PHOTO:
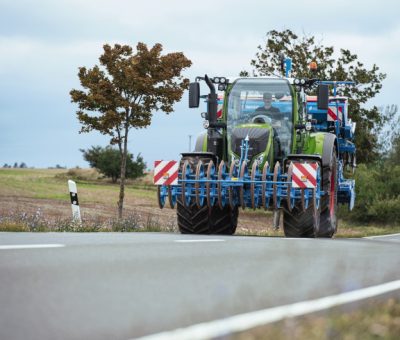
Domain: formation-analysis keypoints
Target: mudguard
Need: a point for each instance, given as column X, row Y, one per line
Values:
column 329, row 144
column 201, row 143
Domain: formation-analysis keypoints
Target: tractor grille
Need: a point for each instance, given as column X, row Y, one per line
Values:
column 258, row 138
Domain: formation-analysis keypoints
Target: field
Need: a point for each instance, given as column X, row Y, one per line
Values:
column 38, row 200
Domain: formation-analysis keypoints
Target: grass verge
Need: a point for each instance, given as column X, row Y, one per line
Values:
column 19, row 221
column 377, row 320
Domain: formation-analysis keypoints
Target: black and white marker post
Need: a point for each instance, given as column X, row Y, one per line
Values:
column 73, row 192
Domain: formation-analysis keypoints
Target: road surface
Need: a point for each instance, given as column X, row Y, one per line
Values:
column 128, row 285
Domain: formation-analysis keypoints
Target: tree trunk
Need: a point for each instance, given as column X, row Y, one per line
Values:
column 123, row 172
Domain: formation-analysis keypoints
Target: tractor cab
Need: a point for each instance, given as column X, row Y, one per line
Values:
column 262, row 109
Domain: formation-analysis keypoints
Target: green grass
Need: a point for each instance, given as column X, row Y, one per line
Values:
column 376, row 320
column 52, row 184
column 32, row 183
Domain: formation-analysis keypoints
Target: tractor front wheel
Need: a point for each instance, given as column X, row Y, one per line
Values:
column 202, row 220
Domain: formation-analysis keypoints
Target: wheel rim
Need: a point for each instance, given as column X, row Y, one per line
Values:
column 289, row 187
column 221, row 196
column 209, row 187
column 199, row 187
column 275, row 189
column 231, row 193
column 171, row 197
column 243, row 172
column 185, row 174
column 253, row 190
column 332, row 196
column 265, row 172
column 303, row 200
column 316, row 205
column 161, row 195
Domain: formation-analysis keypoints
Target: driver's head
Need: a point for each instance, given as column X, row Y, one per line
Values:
column 267, row 96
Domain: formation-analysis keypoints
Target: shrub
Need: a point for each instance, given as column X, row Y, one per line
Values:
column 377, row 194
column 108, row 162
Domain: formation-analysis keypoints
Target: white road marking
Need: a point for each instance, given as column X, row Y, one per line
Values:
column 380, row 236
column 30, row 246
column 243, row 322
column 200, row 240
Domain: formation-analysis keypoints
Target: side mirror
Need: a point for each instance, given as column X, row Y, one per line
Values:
column 194, row 95
column 323, row 97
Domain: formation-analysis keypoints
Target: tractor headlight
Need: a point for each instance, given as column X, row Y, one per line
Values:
column 222, row 80
column 221, row 87
column 302, row 81
column 206, row 124
column 260, row 159
column 297, row 81
column 216, row 80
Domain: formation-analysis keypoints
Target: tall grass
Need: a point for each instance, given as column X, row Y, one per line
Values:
column 134, row 221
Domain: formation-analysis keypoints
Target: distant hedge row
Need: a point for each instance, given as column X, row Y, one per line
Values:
column 378, row 195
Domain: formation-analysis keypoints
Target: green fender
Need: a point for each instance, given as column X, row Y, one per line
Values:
column 201, row 143
column 322, row 144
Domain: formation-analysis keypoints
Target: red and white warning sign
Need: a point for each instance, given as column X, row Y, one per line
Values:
column 304, row 175
column 165, row 172
column 333, row 113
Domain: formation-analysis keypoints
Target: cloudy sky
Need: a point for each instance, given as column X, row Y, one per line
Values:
column 43, row 42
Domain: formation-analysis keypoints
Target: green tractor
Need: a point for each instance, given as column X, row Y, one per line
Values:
column 268, row 145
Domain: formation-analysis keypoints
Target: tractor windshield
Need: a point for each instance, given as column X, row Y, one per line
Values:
column 262, row 101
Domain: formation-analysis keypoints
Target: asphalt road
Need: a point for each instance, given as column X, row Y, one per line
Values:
column 122, row 286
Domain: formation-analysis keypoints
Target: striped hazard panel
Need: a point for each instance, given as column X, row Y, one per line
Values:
column 165, row 172
column 304, row 175
column 333, row 113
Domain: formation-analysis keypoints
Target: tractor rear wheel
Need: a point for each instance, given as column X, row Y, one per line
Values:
column 298, row 223
column 194, row 220
column 201, row 220
column 329, row 204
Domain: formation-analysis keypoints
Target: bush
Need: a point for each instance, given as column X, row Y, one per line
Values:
column 377, row 194
column 108, row 162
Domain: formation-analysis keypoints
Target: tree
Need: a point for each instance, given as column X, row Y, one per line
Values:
column 305, row 49
column 388, row 133
column 108, row 161
column 124, row 90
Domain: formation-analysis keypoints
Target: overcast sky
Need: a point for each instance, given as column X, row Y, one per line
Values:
column 42, row 44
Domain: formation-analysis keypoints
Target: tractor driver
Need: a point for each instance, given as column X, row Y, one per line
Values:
column 267, row 108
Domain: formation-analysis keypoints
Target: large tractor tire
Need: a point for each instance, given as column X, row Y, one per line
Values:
column 298, row 223
column 329, row 204
column 194, row 220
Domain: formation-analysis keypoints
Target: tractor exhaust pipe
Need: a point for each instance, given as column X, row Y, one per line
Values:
column 215, row 142
column 212, row 102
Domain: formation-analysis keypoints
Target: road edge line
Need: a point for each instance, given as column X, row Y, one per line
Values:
column 381, row 236
column 246, row 321
column 30, row 246
column 199, row 240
